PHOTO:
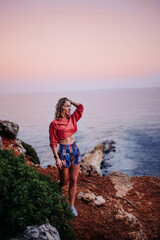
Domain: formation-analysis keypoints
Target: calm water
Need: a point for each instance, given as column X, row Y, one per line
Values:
column 130, row 117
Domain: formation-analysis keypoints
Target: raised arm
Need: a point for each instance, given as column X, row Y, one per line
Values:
column 74, row 103
column 79, row 110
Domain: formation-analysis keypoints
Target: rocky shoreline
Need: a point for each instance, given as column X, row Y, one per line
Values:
column 93, row 159
column 130, row 206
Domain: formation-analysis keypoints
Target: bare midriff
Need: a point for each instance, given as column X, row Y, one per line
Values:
column 68, row 140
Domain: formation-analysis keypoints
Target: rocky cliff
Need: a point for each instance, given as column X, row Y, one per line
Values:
column 129, row 207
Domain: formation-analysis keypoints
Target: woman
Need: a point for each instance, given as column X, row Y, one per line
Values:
column 61, row 131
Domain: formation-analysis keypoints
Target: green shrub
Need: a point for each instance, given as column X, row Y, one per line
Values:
column 28, row 198
column 31, row 152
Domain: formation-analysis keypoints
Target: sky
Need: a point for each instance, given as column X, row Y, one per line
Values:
column 54, row 45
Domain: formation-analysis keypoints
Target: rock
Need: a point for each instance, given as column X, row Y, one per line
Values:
column 43, row 232
column 8, row 129
column 99, row 200
column 106, row 147
column 88, row 168
column 93, row 158
column 88, row 197
column 91, row 197
column 13, row 144
column 121, row 183
column 127, row 217
column 135, row 229
column 18, row 144
column 80, row 195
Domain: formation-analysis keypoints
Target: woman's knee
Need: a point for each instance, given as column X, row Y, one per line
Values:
column 73, row 181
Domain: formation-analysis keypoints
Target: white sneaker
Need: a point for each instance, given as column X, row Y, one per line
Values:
column 74, row 211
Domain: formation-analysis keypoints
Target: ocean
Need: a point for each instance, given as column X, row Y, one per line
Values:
column 129, row 117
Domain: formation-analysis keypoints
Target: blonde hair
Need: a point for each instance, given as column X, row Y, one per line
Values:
column 59, row 107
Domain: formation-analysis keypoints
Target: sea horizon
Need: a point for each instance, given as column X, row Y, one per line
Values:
column 75, row 90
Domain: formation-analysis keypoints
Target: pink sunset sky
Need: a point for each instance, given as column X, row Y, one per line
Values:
column 51, row 45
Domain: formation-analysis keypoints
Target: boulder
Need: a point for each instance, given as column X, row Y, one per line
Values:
column 8, row 129
column 98, row 201
column 107, row 146
column 88, row 197
column 20, row 148
column 87, row 168
column 13, row 144
column 93, row 158
column 91, row 197
column 43, row 232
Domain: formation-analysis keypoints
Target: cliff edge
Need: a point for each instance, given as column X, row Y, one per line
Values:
column 129, row 206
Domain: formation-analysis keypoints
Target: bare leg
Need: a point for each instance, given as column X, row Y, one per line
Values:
column 64, row 175
column 74, row 171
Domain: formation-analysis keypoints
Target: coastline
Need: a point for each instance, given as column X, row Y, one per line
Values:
column 130, row 209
